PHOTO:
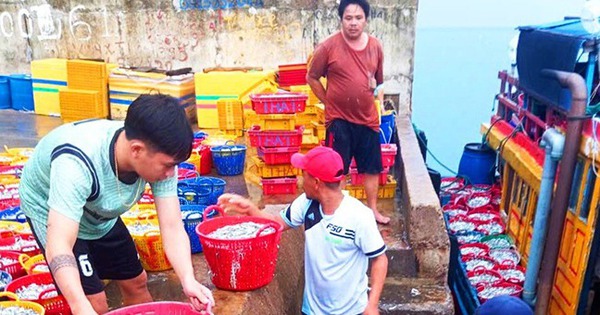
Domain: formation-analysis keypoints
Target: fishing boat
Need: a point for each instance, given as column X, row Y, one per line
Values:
column 545, row 131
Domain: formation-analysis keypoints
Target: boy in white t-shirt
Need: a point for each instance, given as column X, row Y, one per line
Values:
column 341, row 236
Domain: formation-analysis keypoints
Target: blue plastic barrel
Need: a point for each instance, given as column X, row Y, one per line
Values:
column 4, row 93
column 21, row 92
column 478, row 164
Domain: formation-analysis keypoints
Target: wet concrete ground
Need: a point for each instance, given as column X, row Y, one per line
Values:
column 18, row 129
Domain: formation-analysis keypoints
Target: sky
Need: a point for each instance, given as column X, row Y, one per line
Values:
column 493, row 13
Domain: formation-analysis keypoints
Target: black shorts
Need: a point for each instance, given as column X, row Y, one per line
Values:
column 112, row 256
column 358, row 141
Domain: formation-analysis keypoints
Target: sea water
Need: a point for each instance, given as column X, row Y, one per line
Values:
column 455, row 81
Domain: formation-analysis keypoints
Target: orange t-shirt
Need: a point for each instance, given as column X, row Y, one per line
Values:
column 348, row 94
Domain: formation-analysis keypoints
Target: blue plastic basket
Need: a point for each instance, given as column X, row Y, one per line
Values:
column 12, row 214
column 229, row 159
column 204, row 189
column 190, row 195
column 192, row 216
column 187, row 166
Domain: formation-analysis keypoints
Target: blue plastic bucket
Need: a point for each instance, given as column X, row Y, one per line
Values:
column 206, row 189
column 478, row 164
column 229, row 159
column 21, row 92
column 388, row 124
column 4, row 93
column 192, row 216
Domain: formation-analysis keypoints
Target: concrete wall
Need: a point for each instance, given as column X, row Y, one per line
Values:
column 423, row 214
column 194, row 33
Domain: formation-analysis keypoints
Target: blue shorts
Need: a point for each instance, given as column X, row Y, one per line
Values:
column 358, row 141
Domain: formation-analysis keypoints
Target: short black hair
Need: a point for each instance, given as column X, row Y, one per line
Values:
column 160, row 122
column 362, row 3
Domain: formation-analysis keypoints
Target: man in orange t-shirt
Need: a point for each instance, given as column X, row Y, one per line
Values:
column 352, row 61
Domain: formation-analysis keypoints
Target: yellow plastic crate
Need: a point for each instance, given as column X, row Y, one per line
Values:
column 234, row 132
column 231, row 114
column 208, row 116
column 89, row 75
column 80, row 104
column 310, row 110
column 277, row 122
column 306, row 119
column 250, row 118
column 319, row 130
column 54, row 69
column 86, row 69
column 312, row 98
column 47, row 102
column 271, row 171
column 320, row 109
column 383, row 192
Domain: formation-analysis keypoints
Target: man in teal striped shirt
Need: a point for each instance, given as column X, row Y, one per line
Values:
column 82, row 176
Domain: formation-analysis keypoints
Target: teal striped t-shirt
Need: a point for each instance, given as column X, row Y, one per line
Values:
column 71, row 172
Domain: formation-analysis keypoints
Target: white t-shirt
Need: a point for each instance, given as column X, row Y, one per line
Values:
column 336, row 253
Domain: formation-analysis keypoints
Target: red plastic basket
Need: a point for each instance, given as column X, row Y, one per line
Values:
column 279, row 186
column 54, row 306
column 505, row 270
column 388, row 154
column 451, row 184
column 279, row 103
column 472, row 275
column 239, row 264
column 15, row 269
column 275, row 138
column 153, row 308
column 273, row 156
column 474, row 250
column 359, row 179
column 9, row 244
column 517, row 289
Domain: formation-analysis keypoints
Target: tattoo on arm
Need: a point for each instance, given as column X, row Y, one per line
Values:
column 62, row 261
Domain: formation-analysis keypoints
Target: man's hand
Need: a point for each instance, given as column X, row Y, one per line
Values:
column 200, row 296
column 371, row 310
column 236, row 203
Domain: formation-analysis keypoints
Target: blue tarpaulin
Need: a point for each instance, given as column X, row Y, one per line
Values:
column 555, row 46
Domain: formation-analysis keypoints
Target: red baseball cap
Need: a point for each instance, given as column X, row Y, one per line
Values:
column 322, row 163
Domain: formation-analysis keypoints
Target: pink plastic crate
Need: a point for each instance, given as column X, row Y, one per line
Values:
column 358, row 179
column 388, row 155
column 272, row 156
column 279, row 103
column 273, row 138
column 279, row 186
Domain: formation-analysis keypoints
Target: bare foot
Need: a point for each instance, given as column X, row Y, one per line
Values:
column 381, row 219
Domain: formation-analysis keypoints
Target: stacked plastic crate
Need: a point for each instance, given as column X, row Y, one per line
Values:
column 126, row 85
column 387, row 184
column 293, row 74
column 314, row 125
column 230, row 85
column 276, row 138
column 86, row 95
column 48, row 77
column 231, row 116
